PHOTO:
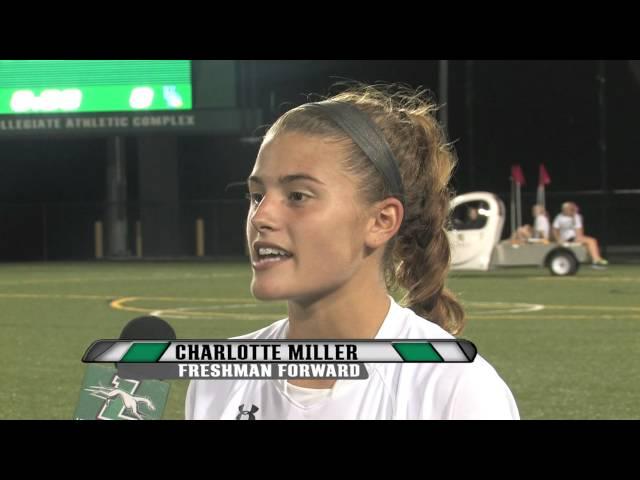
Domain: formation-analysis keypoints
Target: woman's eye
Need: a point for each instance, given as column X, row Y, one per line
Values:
column 254, row 198
column 297, row 196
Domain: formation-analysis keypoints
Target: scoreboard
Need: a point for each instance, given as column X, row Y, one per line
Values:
column 115, row 97
column 90, row 86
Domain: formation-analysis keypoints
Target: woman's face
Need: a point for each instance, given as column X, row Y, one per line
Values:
column 303, row 203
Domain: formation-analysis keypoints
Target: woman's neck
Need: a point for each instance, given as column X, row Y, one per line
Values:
column 356, row 310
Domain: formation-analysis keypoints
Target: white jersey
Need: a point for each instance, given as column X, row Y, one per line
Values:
column 567, row 225
column 541, row 225
column 392, row 390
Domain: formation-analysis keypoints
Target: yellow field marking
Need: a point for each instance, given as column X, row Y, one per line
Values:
column 555, row 317
column 519, row 311
column 44, row 296
column 188, row 299
column 504, row 307
column 180, row 312
column 587, row 279
column 208, row 276
column 479, row 312
column 593, row 307
column 118, row 304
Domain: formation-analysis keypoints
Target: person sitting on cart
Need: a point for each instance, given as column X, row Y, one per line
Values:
column 539, row 233
column 474, row 220
column 568, row 228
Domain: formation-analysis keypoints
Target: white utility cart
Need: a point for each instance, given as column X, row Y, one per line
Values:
column 477, row 245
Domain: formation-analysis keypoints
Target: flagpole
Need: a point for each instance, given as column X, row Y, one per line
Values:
column 540, row 200
column 518, row 205
column 543, row 180
column 513, row 207
column 601, row 78
column 517, row 180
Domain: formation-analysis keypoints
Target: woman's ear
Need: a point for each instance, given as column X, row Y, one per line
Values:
column 384, row 221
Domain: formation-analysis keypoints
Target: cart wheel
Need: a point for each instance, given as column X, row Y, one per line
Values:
column 563, row 263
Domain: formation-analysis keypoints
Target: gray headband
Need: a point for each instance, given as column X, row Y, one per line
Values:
column 364, row 132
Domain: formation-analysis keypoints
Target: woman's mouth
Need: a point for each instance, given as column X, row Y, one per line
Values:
column 268, row 257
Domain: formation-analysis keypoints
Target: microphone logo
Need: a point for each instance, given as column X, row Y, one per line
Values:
column 128, row 392
column 120, row 403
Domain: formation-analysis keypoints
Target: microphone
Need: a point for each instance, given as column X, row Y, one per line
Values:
column 127, row 392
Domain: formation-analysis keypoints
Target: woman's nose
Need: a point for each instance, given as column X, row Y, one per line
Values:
column 264, row 215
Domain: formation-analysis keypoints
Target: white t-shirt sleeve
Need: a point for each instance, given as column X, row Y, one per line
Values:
column 556, row 222
column 480, row 394
column 578, row 220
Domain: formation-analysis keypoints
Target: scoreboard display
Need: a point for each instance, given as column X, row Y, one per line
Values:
column 29, row 87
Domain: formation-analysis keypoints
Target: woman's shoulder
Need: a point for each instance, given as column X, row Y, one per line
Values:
column 402, row 322
column 455, row 390
column 416, row 326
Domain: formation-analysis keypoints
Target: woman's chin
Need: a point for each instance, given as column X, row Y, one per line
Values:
column 264, row 292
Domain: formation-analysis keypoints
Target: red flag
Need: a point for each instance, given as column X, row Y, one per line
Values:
column 544, row 178
column 517, row 175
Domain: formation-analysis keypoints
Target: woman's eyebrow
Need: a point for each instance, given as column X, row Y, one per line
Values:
column 286, row 179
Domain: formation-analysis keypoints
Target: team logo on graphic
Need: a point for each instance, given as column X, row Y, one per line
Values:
column 120, row 403
column 247, row 414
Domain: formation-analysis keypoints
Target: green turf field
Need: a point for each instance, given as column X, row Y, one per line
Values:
column 569, row 348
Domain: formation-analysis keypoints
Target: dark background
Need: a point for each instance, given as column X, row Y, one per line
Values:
column 580, row 118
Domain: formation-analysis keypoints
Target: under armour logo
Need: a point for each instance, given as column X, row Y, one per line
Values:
column 247, row 414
